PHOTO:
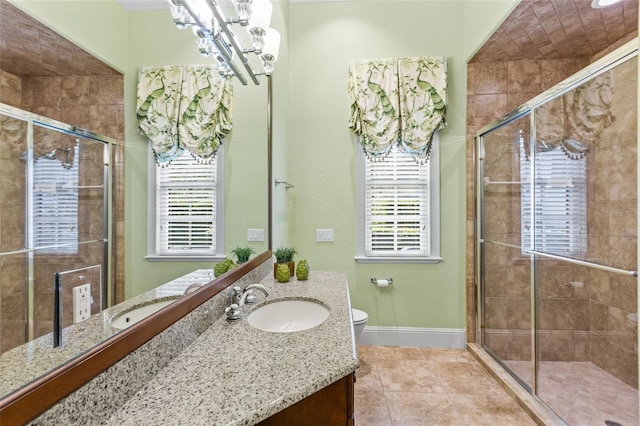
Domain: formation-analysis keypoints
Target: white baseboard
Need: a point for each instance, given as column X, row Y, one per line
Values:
column 447, row 338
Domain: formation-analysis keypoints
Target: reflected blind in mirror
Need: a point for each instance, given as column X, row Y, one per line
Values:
column 185, row 206
column 55, row 205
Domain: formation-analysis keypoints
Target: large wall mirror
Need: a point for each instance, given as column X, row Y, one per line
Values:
column 44, row 73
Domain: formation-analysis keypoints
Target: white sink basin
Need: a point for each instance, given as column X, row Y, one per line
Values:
column 126, row 319
column 285, row 316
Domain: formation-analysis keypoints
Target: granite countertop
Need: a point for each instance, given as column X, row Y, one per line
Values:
column 234, row 374
column 25, row 363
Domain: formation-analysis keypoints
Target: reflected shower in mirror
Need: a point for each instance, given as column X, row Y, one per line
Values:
column 55, row 222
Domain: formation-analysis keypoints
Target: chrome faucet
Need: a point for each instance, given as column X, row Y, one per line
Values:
column 249, row 297
column 239, row 298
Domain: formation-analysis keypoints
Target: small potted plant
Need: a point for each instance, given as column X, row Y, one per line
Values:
column 242, row 253
column 285, row 255
column 224, row 266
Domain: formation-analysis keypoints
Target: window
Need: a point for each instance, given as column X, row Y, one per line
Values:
column 560, row 205
column 55, row 205
column 185, row 209
column 398, row 209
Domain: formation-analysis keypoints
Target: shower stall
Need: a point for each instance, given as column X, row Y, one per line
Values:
column 556, row 230
column 54, row 224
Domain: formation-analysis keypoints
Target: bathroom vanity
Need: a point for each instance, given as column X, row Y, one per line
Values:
column 206, row 370
column 235, row 373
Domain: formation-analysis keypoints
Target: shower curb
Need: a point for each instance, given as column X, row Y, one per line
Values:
column 536, row 410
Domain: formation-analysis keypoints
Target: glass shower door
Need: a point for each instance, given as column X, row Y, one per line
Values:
column 585, row 213
column 507, row 331
column 557, row 244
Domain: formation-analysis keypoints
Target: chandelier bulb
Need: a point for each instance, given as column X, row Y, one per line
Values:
column 243, row 8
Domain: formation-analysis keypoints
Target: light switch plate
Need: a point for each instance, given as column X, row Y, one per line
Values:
column 255, row 234
column 324, row 235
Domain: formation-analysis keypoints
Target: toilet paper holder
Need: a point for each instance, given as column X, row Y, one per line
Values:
column 374, row 280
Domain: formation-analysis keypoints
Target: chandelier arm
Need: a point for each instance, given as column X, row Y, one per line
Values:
column 231, row 36
column 220, row 45
column 223, row 49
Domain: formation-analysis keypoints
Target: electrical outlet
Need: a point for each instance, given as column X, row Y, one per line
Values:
column 255, row 234
column 324, row 235
column 81, row 302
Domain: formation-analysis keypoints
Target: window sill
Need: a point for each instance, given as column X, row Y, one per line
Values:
column 179, row 258
column 398, row 259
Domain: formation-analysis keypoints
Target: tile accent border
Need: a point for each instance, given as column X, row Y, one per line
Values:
column 448, row 338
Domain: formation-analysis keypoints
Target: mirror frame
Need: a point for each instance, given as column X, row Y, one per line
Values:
column 35, row 398
column 38, row 396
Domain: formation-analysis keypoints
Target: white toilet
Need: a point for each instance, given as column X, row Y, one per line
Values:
column 359, row 320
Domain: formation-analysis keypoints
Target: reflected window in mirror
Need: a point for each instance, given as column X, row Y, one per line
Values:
column 185, row 208
column 55, row 203
column 560, row 204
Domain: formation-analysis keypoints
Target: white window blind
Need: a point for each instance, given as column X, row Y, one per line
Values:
column 560, row 204
column 55, row 206
column 186, row 207
column 397, row 206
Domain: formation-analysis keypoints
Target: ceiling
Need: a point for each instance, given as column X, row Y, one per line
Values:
column 548, row 29
column 30, row 49
column 554, row 29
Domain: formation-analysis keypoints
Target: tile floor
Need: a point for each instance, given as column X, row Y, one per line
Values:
column 416, row 386
column 582, row 393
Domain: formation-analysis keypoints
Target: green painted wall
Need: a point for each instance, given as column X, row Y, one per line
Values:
column 155, row 41
column 128, row 40
column 313, row 148
column 324, row 38
column 322, row 151
column 280, row 144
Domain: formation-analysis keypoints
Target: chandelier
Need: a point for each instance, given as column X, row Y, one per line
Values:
column 215, row 36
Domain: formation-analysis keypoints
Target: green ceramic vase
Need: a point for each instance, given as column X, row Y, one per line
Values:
column 302, row 270
column 283, row 274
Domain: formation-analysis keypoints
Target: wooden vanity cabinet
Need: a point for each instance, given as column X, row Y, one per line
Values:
column 330, row 406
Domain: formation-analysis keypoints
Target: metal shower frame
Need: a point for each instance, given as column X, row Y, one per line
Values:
column 606, row 63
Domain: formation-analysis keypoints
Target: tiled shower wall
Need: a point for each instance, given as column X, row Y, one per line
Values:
column 588, row 321
column 95, row 103
column 612, row 224
column 494, row 89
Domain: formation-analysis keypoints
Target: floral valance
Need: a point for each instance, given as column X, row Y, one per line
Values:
column 397, row 102
column 184, row 107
